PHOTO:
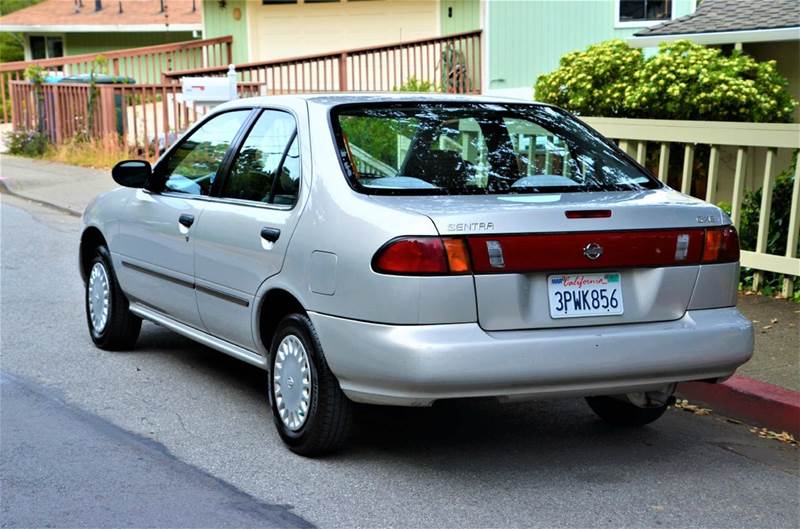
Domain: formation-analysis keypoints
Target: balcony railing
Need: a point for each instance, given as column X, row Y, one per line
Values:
column 450, row 64
column 741, row 156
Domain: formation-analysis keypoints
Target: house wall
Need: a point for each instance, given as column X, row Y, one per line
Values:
column 459, row 16
column 787, row 56
column 527, row 39
column 78, row 43
column 290, row 30
column 222, row 21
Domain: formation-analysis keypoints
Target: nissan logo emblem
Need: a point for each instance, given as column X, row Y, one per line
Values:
column 593, row 251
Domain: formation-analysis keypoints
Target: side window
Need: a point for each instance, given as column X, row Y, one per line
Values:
column 267, row 168
column 192, row 167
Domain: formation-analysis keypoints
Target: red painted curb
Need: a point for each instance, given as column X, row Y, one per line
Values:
column 750, row 400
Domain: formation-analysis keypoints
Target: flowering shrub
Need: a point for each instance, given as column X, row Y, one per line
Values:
column 592, row 82
column 416, row 85
column 26, row 143
column 682, row 81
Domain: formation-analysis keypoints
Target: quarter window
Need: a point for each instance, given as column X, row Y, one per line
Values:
column 193, row 166
column 267, row 168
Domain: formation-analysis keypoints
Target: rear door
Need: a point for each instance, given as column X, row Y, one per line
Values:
column 242, row 237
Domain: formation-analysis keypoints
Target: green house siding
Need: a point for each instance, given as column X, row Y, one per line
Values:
column 458, row 16
column 219, row 22
column 79, row 43
column 527, row 38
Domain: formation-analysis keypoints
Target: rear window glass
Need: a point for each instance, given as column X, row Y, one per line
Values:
column 459, row 149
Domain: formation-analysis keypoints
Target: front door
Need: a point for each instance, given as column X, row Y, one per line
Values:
column 242, row 236
column 155, row 260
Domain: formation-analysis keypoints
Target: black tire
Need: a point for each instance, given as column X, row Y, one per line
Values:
column 330, row 413
column 621, row 413
column 122, row 326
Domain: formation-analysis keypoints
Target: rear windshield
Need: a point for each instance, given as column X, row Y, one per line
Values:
column 460, row 149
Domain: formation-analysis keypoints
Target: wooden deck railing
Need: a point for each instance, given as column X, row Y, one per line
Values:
column 145, row 64
column 740, row 156
column 452, row 64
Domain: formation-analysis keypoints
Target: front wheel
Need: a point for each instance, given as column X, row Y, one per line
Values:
column 111, row 323
column 312, row 414
column 621, row 413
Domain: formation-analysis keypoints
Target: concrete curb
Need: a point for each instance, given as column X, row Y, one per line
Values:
column 750, row 400
column 5, row 188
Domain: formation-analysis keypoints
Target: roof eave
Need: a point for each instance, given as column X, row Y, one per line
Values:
column 719, row 37
column 98, row 28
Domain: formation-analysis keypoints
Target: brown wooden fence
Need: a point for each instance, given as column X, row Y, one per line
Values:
column 149, row 116
column 451, row 64
column 145, row 65
column 145, row 117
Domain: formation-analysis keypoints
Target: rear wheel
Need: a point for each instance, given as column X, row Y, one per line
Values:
column 311, row 413
column 620, row 413
column 111, row 323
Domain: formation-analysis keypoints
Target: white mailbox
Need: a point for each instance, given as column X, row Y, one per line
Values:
column 209, row 90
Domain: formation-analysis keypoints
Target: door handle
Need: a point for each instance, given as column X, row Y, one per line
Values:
column 270, row 234
column 186, row 220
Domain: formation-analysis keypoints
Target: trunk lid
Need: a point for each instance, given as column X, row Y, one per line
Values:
column 535, row 245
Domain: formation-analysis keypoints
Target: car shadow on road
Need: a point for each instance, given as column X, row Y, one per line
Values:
column 475, row 434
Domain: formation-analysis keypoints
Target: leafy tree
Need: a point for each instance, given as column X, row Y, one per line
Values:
column 682, row 81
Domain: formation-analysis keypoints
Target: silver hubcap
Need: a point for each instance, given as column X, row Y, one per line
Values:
column 291, row 384
column 98, row 292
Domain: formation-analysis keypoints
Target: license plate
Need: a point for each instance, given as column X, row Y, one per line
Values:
column 578, row 295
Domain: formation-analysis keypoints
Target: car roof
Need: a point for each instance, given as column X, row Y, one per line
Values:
column 342, row 98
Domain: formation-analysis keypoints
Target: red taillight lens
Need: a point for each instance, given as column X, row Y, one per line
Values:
column 585, row 250
column 422, row 256
column 721, row 245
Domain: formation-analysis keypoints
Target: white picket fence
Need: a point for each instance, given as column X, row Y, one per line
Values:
column 741, row 156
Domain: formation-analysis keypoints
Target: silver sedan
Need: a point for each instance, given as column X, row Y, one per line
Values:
column 403, row 249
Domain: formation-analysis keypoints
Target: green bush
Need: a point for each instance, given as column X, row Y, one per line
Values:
column 415, row 85
column 26, row 143
column 592, row 82
column 682, row 81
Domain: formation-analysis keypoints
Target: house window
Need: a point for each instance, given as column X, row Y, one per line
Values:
column 46, row 47
column 643, row 12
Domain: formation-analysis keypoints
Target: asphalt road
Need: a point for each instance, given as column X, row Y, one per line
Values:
column 173, row 433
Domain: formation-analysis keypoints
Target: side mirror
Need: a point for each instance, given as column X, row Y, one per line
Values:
column 132, row 173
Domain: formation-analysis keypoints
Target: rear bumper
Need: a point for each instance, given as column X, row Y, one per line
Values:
column 414, row 365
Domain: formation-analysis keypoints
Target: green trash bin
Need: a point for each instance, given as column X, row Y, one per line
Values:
column 86, row 78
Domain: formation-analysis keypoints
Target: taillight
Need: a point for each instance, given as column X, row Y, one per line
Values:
column 422, row 256
column 721, row 245
column 545, row 252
